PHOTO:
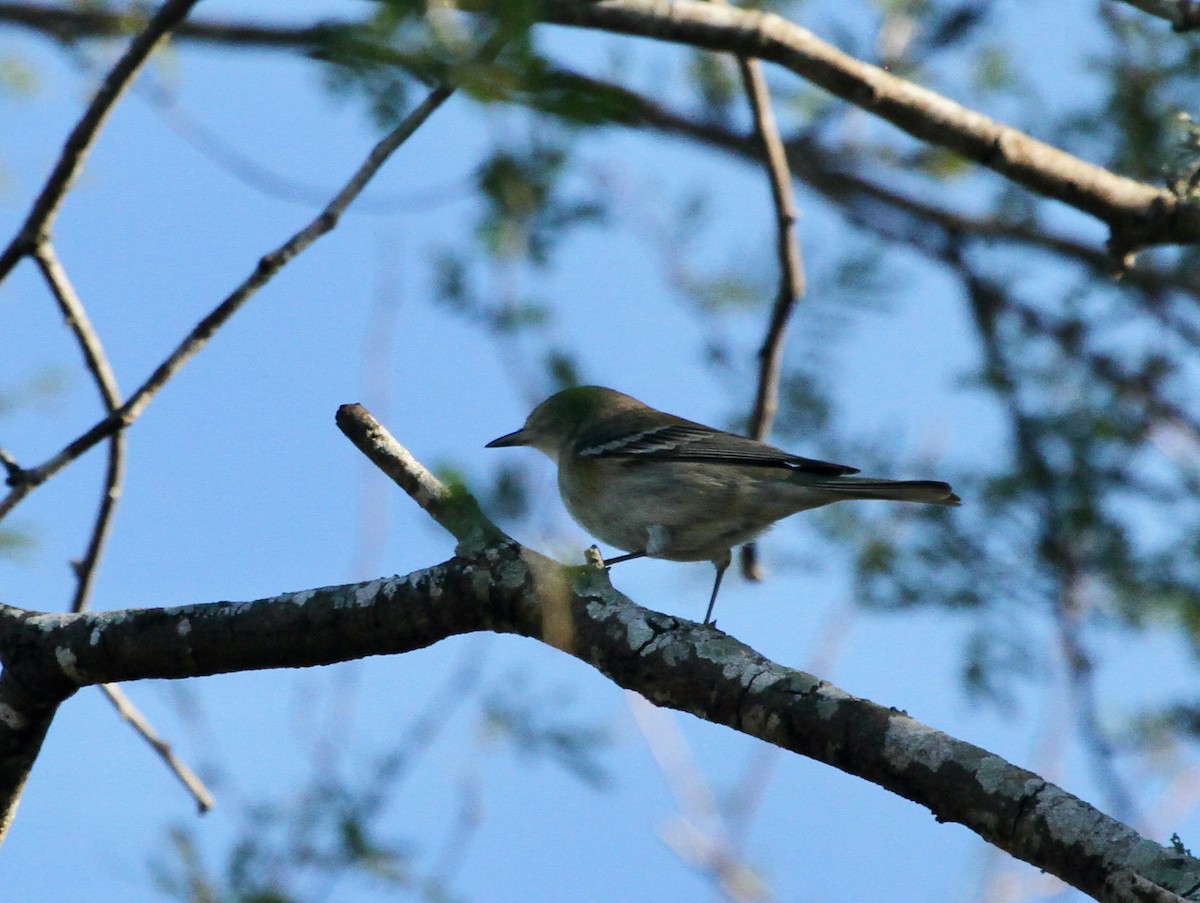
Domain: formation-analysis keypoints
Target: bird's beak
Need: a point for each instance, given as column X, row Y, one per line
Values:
column 517, row 438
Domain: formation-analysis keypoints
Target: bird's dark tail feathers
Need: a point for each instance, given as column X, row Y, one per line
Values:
column 930, row 492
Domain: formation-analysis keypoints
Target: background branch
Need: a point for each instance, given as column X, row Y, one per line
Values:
column 787, row 248
column 1136, row 214
column 1184, row 15
column 810, row 162
column 98, row 366
column 41, row 216
column 267, row 267
column 131, row 714
column 68, row 24
column 817, row 166
column 791, row 268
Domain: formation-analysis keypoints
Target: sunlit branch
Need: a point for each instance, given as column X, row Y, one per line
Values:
column 96, row 361
column 131, row 714
column 1136, row 214
column 817, row 166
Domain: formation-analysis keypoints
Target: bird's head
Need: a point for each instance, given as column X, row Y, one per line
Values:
column 558, row 420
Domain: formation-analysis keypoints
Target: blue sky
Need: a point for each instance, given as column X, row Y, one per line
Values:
column 241, row 487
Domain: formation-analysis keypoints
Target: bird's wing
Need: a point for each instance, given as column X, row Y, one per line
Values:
column 686, row 441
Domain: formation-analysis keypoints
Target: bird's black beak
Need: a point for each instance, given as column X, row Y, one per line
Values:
column 517, row 438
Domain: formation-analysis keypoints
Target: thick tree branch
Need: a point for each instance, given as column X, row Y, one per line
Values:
column 1136, row 214
column 671, row 661
column 500, row 586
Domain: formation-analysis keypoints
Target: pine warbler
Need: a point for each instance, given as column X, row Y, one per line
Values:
column 656, row 485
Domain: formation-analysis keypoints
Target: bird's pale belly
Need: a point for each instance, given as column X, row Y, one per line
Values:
column 642, row 509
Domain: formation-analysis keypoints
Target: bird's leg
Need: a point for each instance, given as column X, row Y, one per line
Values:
column 629, row 557
column 720, row 564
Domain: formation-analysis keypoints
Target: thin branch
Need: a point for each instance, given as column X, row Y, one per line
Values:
column 791, row 268
column 267, row 267
column 68, row 24
column 1137, row 214
column 129, row 712
column 79, row 323
column 97, row 364
column 40, row 219
column 1184, row 15
column 824, row 170
column 12, row 469
column 787, row 246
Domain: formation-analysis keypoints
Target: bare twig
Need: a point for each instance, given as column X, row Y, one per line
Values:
column 791, row 268
column 456, row 511
column 129, row 712
column 37, row 224
column 110, row 395
column 1137, row 214
column 824, row 170
column 1184, row 15
column 97, row 364
column 78, row 322
column 787, row 244
column 267, row 267
column 12, row 469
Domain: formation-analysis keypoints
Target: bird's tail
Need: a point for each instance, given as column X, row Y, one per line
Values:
column 931, row 492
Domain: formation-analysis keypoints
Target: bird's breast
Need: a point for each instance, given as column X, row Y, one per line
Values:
column 682, row 511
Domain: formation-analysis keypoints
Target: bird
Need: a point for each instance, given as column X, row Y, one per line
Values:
column 656, row 485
